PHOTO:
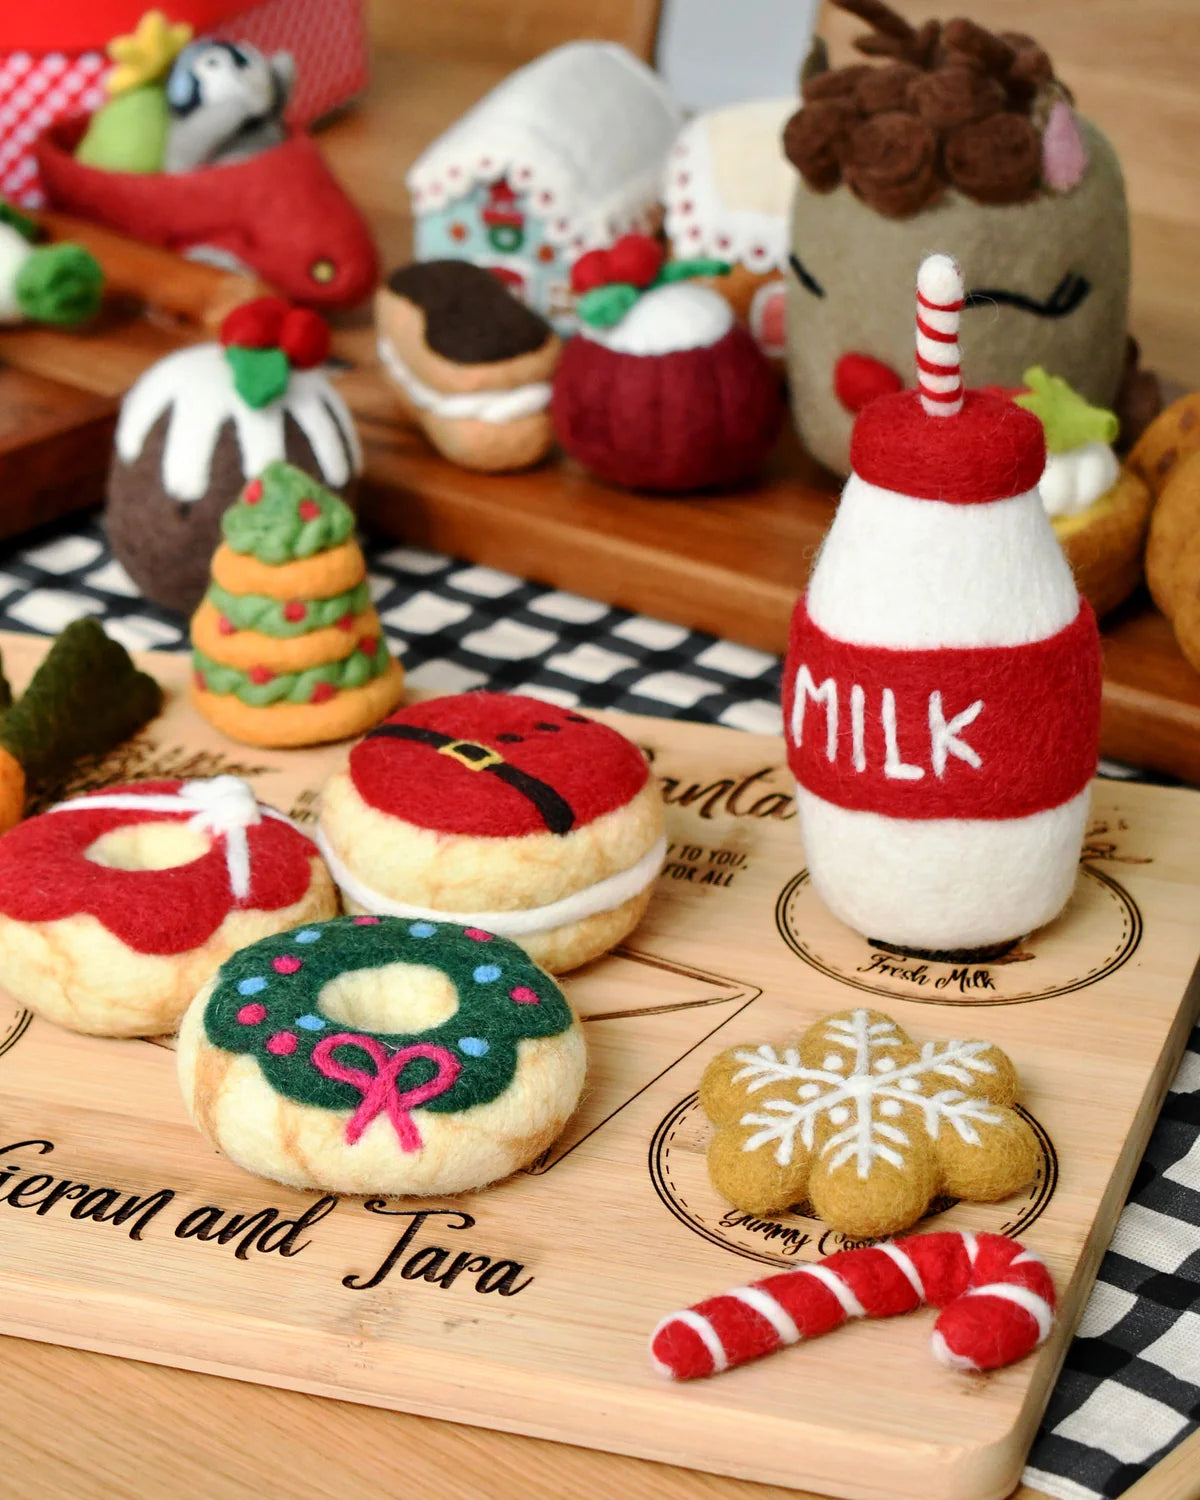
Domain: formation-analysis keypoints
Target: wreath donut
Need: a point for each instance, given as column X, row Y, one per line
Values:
column 276, row 1073
column 139, row 892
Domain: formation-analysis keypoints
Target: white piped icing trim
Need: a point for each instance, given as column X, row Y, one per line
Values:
column 1076, row 479
column 680, row 315
column 494, row 407
column 728, row 188
column 196, row 386
column 581, row 133
column 604, row 895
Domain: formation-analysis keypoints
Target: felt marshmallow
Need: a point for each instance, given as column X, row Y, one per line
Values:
column 942, row 687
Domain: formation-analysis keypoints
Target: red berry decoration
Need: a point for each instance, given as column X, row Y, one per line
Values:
column 322, row 692
column 295, row 610
column 635, row 258
column 225, row 625
column 253, row 492
column 304, row 338
column 201, row 684
column 347, row 621
column 260, row 674
column 308, row 510
column 368, row 645
column 256, row 324
column 590, row 271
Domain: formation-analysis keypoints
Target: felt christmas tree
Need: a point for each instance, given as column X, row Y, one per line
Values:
column 288, row 646
column 128, row 133
column 942, row 689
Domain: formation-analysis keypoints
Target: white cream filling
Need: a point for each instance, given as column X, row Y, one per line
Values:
column 495, row 407
column 604, row 895
column 1076, row 479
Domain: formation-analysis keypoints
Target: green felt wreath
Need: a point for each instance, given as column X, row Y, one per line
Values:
column 265, row 1003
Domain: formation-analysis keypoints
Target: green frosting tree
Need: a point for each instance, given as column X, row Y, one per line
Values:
column 1068, row 420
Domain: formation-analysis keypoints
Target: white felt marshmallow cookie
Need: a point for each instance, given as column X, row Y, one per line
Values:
column 501, row 812
column 942, row 688
column 116, row 907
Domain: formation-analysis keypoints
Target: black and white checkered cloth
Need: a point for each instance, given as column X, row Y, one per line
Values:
column 1130, row 1389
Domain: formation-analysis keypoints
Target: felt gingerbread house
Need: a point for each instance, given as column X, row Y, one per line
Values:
column 564, row 156
column 727, row 195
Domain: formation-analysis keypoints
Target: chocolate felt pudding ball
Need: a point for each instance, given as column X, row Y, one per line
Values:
column 202, row 422
column 962, row 139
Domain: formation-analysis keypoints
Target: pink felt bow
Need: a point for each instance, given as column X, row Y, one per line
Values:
column 380, row 1090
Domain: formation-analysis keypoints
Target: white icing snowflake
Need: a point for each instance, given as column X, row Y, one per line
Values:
column 869, row 1090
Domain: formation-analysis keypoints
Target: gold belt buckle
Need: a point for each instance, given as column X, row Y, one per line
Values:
column 468, row 753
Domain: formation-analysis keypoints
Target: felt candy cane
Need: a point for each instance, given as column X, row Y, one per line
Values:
column 996, row 1298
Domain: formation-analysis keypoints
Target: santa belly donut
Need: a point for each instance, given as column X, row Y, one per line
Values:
column 378, row 1055
column 116, row 907
column 501, row 812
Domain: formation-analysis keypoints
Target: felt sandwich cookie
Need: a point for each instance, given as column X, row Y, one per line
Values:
column 942, row 687
column 117, row 906
column 201, row 423
column 377, row 1055
column 503, row 813
column 287, row 646
column 469, row 362
column 865, row 1123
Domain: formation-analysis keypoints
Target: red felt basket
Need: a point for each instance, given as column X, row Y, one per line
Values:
column 52, row 61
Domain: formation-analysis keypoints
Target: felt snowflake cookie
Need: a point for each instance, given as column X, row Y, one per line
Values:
column 865, row 1123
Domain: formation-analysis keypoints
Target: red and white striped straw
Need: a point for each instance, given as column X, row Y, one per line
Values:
column 939, row 364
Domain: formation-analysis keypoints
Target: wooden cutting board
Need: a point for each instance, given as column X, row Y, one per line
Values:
column 618, row 1224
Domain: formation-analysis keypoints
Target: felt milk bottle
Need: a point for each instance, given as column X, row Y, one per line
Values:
column 942, row 686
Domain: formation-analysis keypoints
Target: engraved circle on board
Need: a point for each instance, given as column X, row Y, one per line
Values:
column 1103, row 919
column 679, row 1172
column 14, row 1023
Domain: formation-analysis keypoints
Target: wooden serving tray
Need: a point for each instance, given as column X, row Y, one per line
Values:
column 618, row 1224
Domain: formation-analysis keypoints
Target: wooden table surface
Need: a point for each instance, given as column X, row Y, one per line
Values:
column 84, row 1425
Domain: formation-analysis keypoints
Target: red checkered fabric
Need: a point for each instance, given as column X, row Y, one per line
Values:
column 326, row 37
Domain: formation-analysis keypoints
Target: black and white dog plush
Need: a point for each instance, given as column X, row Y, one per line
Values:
column 226, row 102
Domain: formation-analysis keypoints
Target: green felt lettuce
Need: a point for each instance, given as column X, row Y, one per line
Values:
column 1068, row 420
column 60, row 284
column 86, row 697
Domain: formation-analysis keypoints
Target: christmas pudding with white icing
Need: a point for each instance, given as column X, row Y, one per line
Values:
column 375, row 1055
column 942, row 686
column 662, row 389
column 503, row 813
column 141, row 892
column 202, row 422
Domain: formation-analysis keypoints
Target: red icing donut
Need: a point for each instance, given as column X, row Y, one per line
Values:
column 45, row 876
column 495, row 764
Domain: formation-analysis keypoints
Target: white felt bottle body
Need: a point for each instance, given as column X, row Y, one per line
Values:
column 920, row 574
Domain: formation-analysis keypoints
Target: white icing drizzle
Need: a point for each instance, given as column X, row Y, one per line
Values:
column 195, row 386
column 604, row 895
column 494, row 407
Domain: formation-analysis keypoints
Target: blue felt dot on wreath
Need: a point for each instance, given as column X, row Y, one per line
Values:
column 252, row 986
column 311, row 1022
column 307, row 935
column 473, row 1046
column 485, row 973
column 422, row 929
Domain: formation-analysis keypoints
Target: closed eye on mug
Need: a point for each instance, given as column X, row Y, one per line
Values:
column 1064, row 299
column 805, row 277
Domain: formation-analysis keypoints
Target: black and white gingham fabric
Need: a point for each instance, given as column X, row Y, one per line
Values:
column 1130, row 1389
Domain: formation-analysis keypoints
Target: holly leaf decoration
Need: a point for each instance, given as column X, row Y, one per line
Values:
column 1069, row 421
column 605, row 306
column 260, row 376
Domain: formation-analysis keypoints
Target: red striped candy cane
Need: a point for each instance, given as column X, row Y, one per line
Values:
column 939, row 365
column 997, row 1302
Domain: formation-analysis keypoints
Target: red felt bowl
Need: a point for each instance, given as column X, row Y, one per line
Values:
column 282, row 213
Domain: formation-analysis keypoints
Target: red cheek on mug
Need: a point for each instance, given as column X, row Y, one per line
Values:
column 860, row 378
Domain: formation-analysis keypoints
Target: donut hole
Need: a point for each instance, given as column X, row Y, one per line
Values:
column 148, row 846
column 394, row 997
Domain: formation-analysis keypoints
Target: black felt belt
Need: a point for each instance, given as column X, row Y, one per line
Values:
column 555, row 811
